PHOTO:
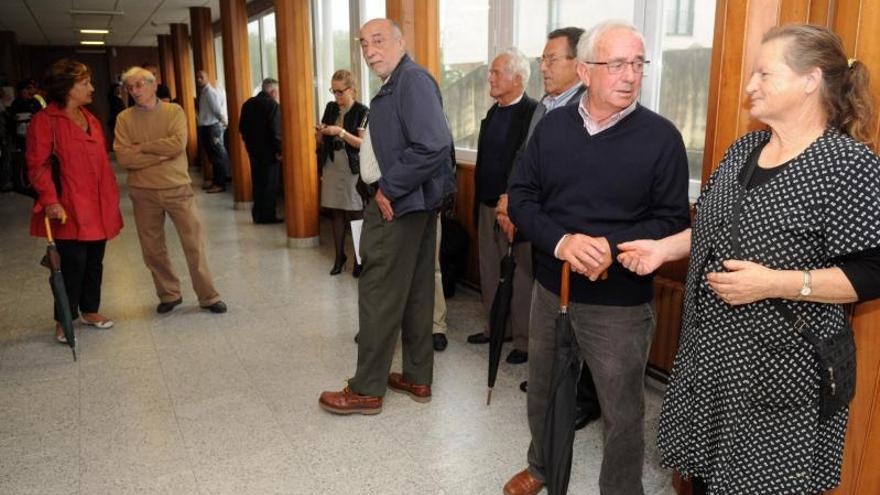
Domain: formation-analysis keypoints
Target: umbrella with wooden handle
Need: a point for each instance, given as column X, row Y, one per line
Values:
column 52, row 261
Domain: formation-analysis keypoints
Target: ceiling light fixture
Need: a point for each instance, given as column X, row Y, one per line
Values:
column 95, row 12
column 94, row 31
column 86, row 42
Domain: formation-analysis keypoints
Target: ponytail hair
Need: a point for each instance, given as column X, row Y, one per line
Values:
column 845, row 90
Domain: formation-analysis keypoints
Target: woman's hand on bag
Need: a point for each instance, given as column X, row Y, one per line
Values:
column 745, row 282
column 56, row 212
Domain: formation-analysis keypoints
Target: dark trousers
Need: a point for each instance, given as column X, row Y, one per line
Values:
column 395, row 295
column 82, row 267
column 265, row 179
column 614, row 341
column 211, row 140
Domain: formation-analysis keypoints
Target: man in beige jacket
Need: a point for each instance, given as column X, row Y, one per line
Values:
column 150, row 143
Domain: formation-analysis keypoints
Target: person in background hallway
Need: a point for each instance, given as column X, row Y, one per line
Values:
column 741, row 412
column 151, row 144
column 502, row 133
column 212, row 123
column 406, row 160
column 339, row 137
column 593, row 175
column 85, row 212
column 260, row 128
column 162, row 91
column 562, row 87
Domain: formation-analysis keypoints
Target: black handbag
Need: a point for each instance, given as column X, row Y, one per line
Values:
column 21, row 182
column 836, row 355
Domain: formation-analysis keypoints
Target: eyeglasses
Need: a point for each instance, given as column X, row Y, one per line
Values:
column 618, row 66
column 137, row 85
column 550, row 60
column 339, row 92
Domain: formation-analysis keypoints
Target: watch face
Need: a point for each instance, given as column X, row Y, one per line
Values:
column 806, row 291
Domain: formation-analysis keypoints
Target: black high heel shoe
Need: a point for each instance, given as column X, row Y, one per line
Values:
column 338, row 265
column 356, row 271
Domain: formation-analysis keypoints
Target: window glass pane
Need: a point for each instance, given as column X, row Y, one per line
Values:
column 464, row 54
column 270, row 51
column 684, row 82
column 218, row 60
column 332, row 45
column 254, row 53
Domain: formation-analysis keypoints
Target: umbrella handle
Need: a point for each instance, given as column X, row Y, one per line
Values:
column 48, row 229
column 564, row 287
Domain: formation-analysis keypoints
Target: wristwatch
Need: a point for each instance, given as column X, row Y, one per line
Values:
column 342, row 134
column 807, row 287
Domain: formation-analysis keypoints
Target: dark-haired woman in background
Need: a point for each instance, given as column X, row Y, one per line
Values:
column 339, row 138
column 86, row 212
column 742, row 410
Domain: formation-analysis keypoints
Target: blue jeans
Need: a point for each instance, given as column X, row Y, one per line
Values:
column 211, row 140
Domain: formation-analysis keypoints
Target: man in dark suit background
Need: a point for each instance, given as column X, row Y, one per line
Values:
column 502, row 133
column 260, row 128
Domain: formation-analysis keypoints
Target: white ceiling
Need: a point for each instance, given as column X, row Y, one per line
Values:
column 49, row 22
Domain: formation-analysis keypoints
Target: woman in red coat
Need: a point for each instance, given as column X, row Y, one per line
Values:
column 86, row 212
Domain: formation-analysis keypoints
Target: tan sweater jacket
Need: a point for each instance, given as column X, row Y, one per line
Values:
column 161, row 134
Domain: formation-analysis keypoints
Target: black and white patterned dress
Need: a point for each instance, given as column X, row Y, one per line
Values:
column 741, row 408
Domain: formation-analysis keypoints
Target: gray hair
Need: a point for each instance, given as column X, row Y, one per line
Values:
column 516, row 63
column 138, row 72
column 269, row 83
column 586, row 48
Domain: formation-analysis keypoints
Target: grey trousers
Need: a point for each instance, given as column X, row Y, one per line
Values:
column 493, row 247
column 395, row 295
column 614, row 341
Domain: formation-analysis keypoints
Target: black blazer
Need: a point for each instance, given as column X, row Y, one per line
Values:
column 260, row 127
column 516, row 135
column 356, row 117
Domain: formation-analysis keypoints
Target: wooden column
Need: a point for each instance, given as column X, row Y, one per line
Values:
column 203, row 59
column 856, row 22
column 166, row 63
column 186, row 85
column 297, row 93
column 9, row 56
column 237, row 68
column 420, row 22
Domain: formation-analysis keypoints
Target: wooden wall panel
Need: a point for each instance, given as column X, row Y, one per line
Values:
column 464, row 213
column 120, row 58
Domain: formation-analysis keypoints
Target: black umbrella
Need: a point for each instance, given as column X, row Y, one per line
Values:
column 52, row 261
column 559, row 422
column 498, row 316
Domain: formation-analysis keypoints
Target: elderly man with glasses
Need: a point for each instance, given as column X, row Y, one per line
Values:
column 592, row 176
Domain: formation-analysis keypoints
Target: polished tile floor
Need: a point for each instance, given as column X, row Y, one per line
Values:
column 196, row 403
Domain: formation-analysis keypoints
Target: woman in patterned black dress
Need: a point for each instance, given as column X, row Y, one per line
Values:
column 741, row 412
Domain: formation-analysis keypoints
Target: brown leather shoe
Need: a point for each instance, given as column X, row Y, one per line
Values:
column 215, row 189
column 418, row 393
column 349, row 402
column 523, row 483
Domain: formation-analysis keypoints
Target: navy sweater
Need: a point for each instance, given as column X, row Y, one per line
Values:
column 625, row 183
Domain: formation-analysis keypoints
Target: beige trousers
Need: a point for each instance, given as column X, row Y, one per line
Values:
column 439, row 299
column 150, row 208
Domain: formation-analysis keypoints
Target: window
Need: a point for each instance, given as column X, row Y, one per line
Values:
column 332, row 33
column 262, row 50
column 218, row 60
column 679, row 17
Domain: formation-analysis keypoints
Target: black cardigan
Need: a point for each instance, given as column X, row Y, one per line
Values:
column 356, row 117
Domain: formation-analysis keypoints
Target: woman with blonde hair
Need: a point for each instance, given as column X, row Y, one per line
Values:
column 339, row 138
column 787, row 231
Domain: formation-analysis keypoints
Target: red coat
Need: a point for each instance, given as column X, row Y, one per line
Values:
column 89, row 193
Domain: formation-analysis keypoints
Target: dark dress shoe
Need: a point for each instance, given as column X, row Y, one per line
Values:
column 523, row 483
column 584, row 416
column 270, row 221
column 338, row 265
column 207, row 185
column 165, row 307
column 517, row 356
column 478, row 338
column 218, row 307
column 418, row 393
column 356, row 271
column 524, row 386
column 440, row 342
column 349, row 402
column 215, row 189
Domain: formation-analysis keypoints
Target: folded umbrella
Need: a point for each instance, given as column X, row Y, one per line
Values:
column 559, row 421
column 52, row 261
column 499, row 315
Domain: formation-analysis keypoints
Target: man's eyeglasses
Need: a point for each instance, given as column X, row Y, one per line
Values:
column 618, row 66
column 550, row 60
column 338, row 92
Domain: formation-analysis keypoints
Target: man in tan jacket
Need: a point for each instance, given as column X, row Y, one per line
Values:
column 150, row 143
